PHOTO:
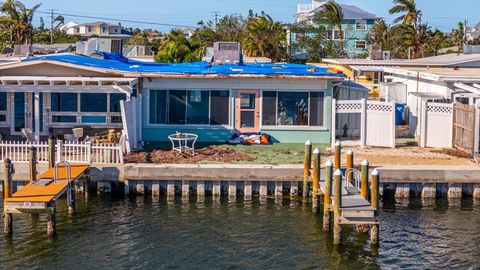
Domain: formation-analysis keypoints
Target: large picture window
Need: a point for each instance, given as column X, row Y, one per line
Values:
column 64, row 102
column 93, row 102
column 3, row 106
column 283, row 108
column 189, row 107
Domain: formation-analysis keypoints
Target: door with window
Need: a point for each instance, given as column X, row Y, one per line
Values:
column 248, row 111
column 24, row 112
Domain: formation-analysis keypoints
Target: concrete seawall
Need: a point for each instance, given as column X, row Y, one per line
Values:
column 403, row 181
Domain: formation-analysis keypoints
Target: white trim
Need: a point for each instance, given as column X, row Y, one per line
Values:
column 360, row 40
column 364, row 22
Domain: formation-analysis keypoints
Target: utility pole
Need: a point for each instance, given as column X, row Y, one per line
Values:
column 215, row 15
column 51, row 25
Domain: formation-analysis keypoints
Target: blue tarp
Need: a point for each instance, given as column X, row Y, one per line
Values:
column 117, row 62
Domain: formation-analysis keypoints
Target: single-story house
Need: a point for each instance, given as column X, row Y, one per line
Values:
column 291, row 102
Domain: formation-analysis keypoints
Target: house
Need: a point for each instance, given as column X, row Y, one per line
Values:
column 291, row 102
column 356, row 25
column 98, row 29
column 371, row 72
column 472, row 33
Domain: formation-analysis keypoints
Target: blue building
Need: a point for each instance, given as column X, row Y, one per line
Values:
column 356, row 25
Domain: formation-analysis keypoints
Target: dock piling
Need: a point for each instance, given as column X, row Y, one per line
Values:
column 185, row 189
column 32, row 157
column 51, row 151
column 316, row 180
column 338, row 155
column 248, row 191
column 327, row 199
column 7, row 193
column 349, row 165
column 306, row 167
column 374, row 229
column 51, row 223
column 337, row 204
column 364, row 179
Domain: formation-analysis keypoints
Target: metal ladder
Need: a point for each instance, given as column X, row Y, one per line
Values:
column 356, row 177
column 68, row 179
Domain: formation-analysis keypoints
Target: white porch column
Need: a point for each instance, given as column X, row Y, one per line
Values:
column 334, row 121
column 363, row 123
column 37, row 116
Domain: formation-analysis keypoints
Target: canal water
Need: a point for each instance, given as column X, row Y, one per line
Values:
column 141, row 233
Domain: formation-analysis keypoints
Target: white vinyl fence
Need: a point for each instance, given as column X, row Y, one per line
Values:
column 73, row 152
column 436, row 125
column 376, row 121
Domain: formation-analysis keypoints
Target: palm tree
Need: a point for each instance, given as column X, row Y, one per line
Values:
column 331, row 13
column 175, row 48
column 264, row 37
column 410, row 14
column 18, row 19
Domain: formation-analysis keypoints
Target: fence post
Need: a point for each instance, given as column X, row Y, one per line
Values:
column 89, row 152
column 363, row 123
column 306, row 167
column 393, row 125
column 51, row 151
column 33, row 164
column 476, row 128
column 120, row 153
column 59, row 150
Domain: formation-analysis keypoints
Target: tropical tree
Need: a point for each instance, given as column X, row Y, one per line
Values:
column 458, row 36
column 331, row 14
column 176, row 48
column 409, row 14
column 264, row 37
column 18, row 20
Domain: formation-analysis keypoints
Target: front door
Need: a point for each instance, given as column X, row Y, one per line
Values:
column 24, row 112
column 248, row 111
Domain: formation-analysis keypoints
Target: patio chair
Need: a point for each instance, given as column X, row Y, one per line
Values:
column 28, row 134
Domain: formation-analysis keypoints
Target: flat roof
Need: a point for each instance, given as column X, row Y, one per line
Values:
column 117, row 62
column 438, row 73
column 439, row 60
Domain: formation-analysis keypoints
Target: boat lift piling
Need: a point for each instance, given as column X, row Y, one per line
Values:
column 306, row 168
column 327, row 193
column 316, row 180
column 7, row 193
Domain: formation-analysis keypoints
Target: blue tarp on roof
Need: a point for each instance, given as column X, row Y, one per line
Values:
column 118, row 62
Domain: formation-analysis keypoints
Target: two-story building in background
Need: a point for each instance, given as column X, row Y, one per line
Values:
column 356, row 25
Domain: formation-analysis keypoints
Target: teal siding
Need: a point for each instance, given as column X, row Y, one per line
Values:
column 160, row 134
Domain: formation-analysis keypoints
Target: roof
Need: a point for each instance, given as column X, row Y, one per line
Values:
column 98, row 23
column 452, row 59
column 118, row 63
column 438, row 73
column 354, row 12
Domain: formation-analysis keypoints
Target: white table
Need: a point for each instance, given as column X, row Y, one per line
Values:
column 181, row 141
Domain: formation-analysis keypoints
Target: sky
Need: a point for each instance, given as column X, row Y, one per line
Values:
column 441, row 14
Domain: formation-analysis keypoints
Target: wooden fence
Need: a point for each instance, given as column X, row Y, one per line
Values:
column 73, row 152
column 464, row 127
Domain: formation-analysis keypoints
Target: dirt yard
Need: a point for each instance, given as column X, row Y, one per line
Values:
column 408, row 155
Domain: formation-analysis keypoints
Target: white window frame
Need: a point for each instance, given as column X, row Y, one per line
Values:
column 360, row 40
column 293, row 127
column 361, row 22
column 78, row 114
column 186, row 126
column 335, row 37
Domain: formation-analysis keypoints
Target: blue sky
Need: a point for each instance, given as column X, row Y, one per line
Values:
column 442, row 14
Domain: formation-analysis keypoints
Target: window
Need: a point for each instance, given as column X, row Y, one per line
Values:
column 360, row 44
column 333, row 35
column 189, row 107
column 3, row 106
column 93, row 102
column 104, row 29
column 89, row 29
column 283, row 108
column 64, row 102
column 115, row 102
column 361, row 25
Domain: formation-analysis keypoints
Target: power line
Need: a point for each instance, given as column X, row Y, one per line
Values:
column 116, row 19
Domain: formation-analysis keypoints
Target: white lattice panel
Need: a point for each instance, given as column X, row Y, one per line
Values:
column 380, row 107
column 348, row 107
column 440, row 108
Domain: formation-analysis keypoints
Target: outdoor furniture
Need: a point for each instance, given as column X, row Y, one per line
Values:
column 28, row 134
column 77, row 133
column 181, row 141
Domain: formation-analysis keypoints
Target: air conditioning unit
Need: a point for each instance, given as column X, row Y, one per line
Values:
column 226, row 52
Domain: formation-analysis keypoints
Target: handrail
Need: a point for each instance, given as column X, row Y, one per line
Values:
column 356, row 177
column 67, row 177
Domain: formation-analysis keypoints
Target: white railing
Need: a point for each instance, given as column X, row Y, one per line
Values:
column 73, row 152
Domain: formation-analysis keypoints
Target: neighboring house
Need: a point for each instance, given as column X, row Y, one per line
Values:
column 356, row 25
column 98, row 29
column 371, row 72
column 472, row 32
column 291, row 102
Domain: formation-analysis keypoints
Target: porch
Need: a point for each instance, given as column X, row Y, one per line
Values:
column 59, row 104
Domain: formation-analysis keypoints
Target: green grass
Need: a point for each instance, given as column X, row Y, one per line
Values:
column 278, row 153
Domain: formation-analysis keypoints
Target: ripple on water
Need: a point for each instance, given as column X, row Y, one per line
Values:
column 142, row 233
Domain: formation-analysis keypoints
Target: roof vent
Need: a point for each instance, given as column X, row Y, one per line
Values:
column 226, row 52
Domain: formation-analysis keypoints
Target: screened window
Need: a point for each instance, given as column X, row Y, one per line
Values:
column 360, row 25
column 360, row 44
column 3, row 106
column 189, row 107
column 282, row 108
column 64, row 102
column 93, row 102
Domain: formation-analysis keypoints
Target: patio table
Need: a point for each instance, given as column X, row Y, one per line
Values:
column 181, row 141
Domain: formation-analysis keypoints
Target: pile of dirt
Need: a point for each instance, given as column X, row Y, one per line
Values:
column 209, row 154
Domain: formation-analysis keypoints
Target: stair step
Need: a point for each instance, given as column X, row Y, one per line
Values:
column 359, row 220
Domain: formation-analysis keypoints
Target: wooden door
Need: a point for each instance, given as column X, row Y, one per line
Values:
column 464, row 127
column 247, row 110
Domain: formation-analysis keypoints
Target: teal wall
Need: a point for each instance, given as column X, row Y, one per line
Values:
column 221, row 134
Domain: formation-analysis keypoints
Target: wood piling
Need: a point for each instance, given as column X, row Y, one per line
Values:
column 374, row 229
column 32, row 157
column 349, row 165
column 316, row 180
column 52, row 222
column 364, row 179
column 306, row 167
column 337, row 204
column 51, row 151
column 338, row 155
column 327, row 199
column 7, row 193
